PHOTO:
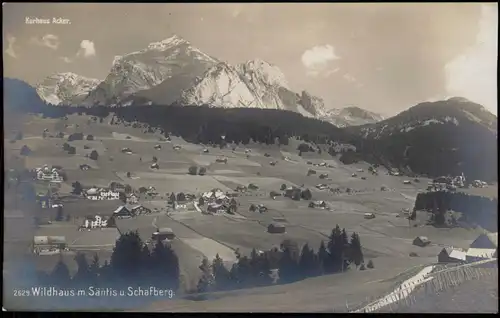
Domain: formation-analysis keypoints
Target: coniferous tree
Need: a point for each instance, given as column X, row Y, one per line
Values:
column 323, row 257
column 94, row 270
column 289, row 262
column 173, row 198
column 356, row 250
column 127, row 259
column 335, row 250
column 307, row 262
column 346, row 249
column 82, row 276
column 59, row 214
column 222, row 276
column 206, row 281
column 60, row 275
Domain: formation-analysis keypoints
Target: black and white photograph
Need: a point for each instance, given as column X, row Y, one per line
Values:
column 250, row 157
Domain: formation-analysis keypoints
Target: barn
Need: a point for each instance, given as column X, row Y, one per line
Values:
column 487, row 240
column 276, row 228
column 163, row 233
column 122, row 211
column 421, row 241
column 450, row 255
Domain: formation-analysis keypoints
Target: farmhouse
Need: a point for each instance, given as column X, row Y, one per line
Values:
column 318, row 204
column 122, row 212
column 322, row 186
column 486, row 241
column 47, row 174
column 421, row 241
column 214, row 194
column 47, row 244
column 128, row 151
column 450, row 255
column 216, row 208
column 132, row 199
column 479, row 254
column 101, row 194
column 276, row 228
column 369, row 216
column 162, row 234
column 85, row 167
column 95, row 222
column 139, row 209
column 241, row 188
column 291, row 192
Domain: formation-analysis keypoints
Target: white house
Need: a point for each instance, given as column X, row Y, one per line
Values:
column 47, row 174
column 132, row 199
column 97, row 222
column 102, row 194
column 109, row 195
column 478, row 254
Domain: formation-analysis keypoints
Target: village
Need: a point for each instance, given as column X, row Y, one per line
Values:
column 207, row 200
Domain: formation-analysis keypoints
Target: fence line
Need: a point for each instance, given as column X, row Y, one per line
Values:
column 431, row 283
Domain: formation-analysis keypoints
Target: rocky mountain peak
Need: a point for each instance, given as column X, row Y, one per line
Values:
column 65, row 88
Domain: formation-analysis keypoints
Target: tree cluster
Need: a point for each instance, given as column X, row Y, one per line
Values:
column 474, row 209
column 434, row 151
column 289, row 262
column 132, row 263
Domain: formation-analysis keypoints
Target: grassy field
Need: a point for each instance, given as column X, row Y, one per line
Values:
column 387, row 239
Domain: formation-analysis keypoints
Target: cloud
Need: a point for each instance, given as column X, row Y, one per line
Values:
column 10, row 47
column 473, row 74
column 348, row 77
column 67, row 59
column 87, row 49
column 330, row 72
column 48, row 40
column 316, row 59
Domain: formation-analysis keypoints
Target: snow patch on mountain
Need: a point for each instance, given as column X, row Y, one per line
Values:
column 349, row 116
column 65, row 88
column 221, row 86
column 255, row 84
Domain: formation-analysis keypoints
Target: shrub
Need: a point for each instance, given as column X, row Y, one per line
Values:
column 181, row 197
column 25, row 151
column 362, row 267
column 283, row 187
column 75, row 136
column 72, row 150
column 193, row 170
column 370, row 264
column 94, row 155
column 202, row 171
column 306, row 194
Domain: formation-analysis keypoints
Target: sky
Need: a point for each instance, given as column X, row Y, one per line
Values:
column 378, row 56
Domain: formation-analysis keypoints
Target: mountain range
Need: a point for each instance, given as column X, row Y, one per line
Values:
column 172, row 85
column 173, row 71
